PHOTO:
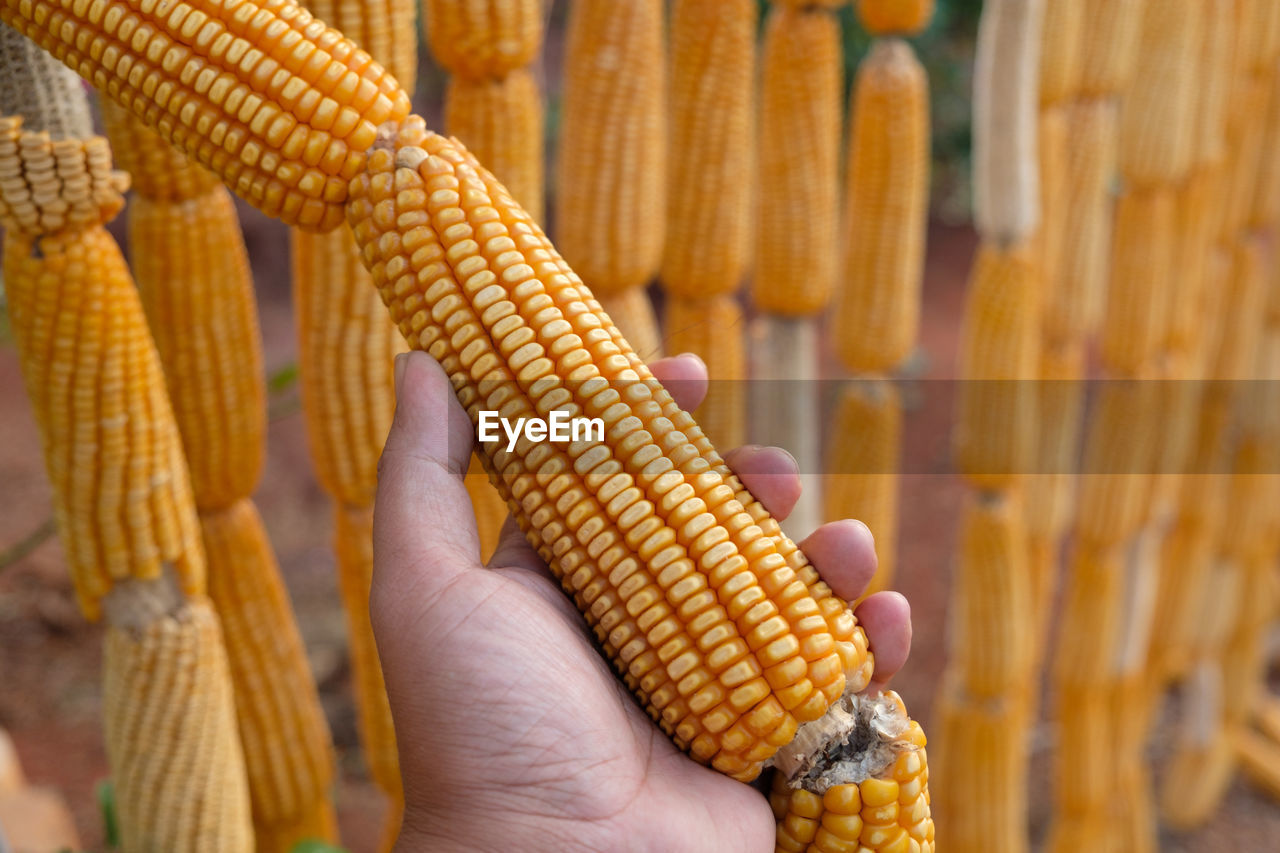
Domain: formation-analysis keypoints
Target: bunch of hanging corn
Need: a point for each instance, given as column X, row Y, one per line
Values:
column 346, row 349
column 611, row 175
column 877, row 310
column 123, row 502
column 984, row 704
column 493, row 103
column 797, row 229
column 192, row 273
column 709, row 199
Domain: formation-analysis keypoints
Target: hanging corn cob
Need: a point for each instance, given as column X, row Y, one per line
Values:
column 985, row 700
column 193, row 276
column 797, row 229
column 439, row 233
column 709, row 199
column 122, row 498
column 877, row 309
column 346, row 349
column 611, row 176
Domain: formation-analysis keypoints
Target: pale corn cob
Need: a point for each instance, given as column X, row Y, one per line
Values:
column 632, row 312
column 1144, row 250
column 1075, row 296
column 245, row 95
column 797, row 225
column 895, row 17
column 502, row 121
column 1062, row 50
column 878, row 304
column 862, row 464
column 1158, row 120
column 611, row 179
column 886, row 811
column 995, row 422
column 1006, row 189
column 712, row 329
column 712, row 122
column 170, row 726
column 1111, row 52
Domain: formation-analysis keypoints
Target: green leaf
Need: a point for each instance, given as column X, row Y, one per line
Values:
column 106, row 794
column 308, row 845
column 283, row 379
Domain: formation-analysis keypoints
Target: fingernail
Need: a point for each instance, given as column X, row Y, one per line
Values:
column 401, row 360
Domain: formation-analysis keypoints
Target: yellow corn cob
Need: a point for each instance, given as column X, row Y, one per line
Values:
column 171, row 731
column 1266, row 201
column 862, row 465
column 1060, row 401
column 1120, row 450
column 1062, row 50
column 1110, row 52
column 713, row 120
column 886, row 811
column 480, row 39
column 385, row 30
column 489, row 508
column 1213, row 88
column 279, row 106
column 748, row 687
column 895, row 17
column 1258, row 755
column 611, row 180
column 797, row 225
column 1158, row 120
column 995, row 427
column 1006, row 189
column 981, row 755
column 1144, row 251
column 1246, row 304
column 878, row 304
column 1075, row 295
column 989, row 651
column 632, row 312
column 1198, row 200
column 283, row 730
column 501, row 120
column 157, row 170
column 93, row 375
column 1245, row 139
column 712, row 329
column 1054, row 140
column 1090, row 624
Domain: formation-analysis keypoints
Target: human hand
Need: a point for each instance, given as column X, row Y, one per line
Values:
column 513, row 731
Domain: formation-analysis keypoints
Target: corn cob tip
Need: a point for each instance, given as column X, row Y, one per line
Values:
column 859, row 738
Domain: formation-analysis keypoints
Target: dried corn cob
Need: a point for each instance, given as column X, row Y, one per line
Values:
column 713, row 119
column 502, row 121
column 1144, row 252
column 995, row 425
column 797, row 228
column 895, row 17
column 883, row 807
column 1062, row 47
column 611, row 183
column 1006, row 189
column 862, row 465
column 1110, row 53
column 479, row 39
column 878, row 303
column 280, row 107
column 713, row 330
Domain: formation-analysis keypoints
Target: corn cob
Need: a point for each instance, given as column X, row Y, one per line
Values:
column 1265, row 211
column 279, row 106
column 878, row 304
column 1062, row 48
column 1146, row 228
column 479, row 39
column 1053, row 136
column 1213, row 90
column 895, row 17
column 502, row 121
column 862, row 464
column 995, row 423
column 797, row 226
column 1006, row 189
column 1246, row 135
column 713, row 329
column 888, row 810
column 207, row 334
column 1158, row 121
column 611, row 179
column 713, row 118
column 170, row 725
column 1110, row 53
column 632, row 311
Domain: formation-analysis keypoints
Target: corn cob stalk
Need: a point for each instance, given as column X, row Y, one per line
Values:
column 862, row 467
column 878, row 305
column 493, row 103
column 206, row 331
column 895, row 17
column 886, row 810
column 611, row 179
column 712, row 328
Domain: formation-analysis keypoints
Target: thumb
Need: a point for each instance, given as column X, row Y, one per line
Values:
column 424, row 529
